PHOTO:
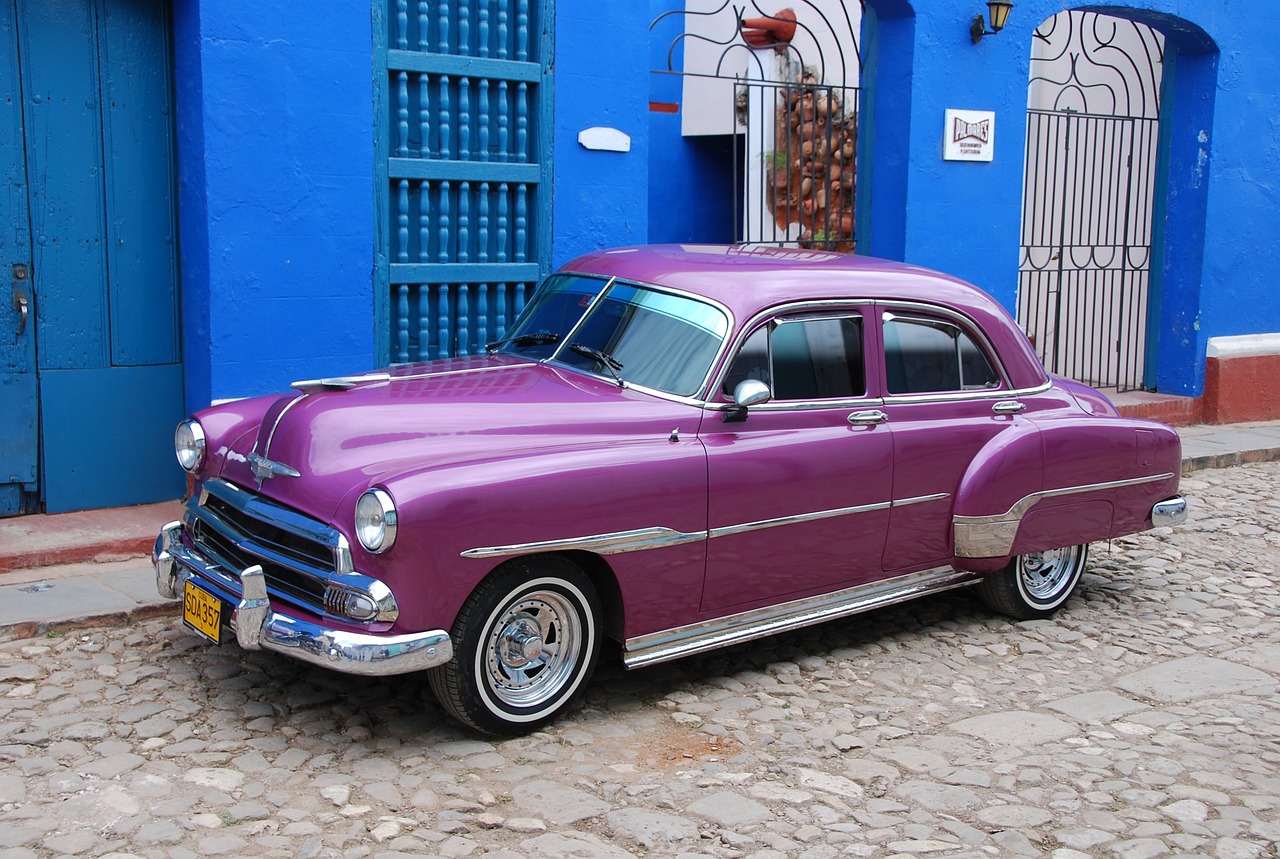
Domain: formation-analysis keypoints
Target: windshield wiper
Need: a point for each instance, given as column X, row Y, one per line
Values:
column 603, row 358
column 540, row 339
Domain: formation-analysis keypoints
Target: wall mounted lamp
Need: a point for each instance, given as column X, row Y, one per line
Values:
column 998, row 10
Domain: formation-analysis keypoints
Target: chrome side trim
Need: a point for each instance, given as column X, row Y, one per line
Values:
column 992, row 536
column 730, row 530
column 745, row 626
column 907, row 502
column 603, row 544
column 660, row 537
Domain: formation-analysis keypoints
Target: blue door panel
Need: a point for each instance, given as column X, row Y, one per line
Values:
column 88, row 465
column 64, row 164
column 18, row 385
column 139, row 186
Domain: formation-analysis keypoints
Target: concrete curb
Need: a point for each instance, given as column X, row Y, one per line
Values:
column 19, row 630
column 1229, row 459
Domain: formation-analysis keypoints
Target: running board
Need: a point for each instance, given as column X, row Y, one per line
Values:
column 749, row 625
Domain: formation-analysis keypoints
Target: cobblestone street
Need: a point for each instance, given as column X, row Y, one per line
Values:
column 1143, row 721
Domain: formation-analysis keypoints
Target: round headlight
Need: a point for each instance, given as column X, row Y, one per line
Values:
column 188, row 444
column 376, row 520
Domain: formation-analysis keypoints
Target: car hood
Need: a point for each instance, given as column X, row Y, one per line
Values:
column 341, row 440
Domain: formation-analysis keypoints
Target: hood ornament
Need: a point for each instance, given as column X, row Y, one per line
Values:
column 265, row 469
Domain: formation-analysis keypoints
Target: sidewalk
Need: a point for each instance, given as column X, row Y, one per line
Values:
column 74, row 570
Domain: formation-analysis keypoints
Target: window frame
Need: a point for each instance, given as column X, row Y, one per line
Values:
column 861, row 311
column 935, row 316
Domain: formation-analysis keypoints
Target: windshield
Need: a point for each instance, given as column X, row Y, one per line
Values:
column 552, row 313
column 630, row 333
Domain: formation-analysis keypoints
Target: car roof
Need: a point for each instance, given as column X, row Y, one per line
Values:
column 749, row 278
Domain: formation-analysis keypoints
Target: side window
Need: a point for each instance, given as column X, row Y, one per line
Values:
column 752, row 362
column 804, row 359
column 929, row 356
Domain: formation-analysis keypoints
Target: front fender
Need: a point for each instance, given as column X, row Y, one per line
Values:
column 456, row 524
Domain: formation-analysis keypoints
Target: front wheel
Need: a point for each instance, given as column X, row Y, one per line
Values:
column 525, row 644
column 1035, row 585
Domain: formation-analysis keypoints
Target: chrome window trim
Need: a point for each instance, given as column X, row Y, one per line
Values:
column 962, row 396
column 913, row 399
column 829, row 307
column 992, row 536
column 745, row 626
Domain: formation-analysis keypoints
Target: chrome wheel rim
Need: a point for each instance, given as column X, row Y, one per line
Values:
column 533, row 649
column 1044, row 575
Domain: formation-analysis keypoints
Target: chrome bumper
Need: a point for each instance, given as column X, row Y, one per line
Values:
column 257, row 626
column 1170, row 512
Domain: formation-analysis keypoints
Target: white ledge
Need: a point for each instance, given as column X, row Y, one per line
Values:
column 1244, row 346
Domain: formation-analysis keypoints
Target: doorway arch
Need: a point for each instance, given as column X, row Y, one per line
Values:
column 1168, row 331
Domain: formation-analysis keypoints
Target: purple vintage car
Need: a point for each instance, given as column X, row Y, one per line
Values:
column 675, row 448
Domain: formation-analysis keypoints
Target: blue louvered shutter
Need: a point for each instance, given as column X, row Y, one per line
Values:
column 463, row 115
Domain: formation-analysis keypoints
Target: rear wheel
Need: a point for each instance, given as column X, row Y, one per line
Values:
column 1035, row 585
column 526, row 643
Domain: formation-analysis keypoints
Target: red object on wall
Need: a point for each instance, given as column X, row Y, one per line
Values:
column 776, row 29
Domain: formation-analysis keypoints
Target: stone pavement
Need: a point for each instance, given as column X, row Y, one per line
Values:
column 1142, row 722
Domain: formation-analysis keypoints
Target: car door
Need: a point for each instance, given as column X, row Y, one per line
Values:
column 946, row 398
column 800, row 487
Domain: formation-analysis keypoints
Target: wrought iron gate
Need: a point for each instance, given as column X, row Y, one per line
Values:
column 791, row 104
column 1092, row 127
column 462, row 106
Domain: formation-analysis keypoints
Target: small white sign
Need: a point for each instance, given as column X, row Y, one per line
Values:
column 604, row 139
column 969, row 135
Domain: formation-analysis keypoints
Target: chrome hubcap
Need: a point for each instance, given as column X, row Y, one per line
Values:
column 533, row 649
column 1044, row 574
column 520, row 643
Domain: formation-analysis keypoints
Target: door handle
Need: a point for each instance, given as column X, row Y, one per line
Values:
column 867, row 418
column 1009, row 407
column 22, row 304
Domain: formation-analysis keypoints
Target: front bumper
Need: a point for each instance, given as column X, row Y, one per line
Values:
column 258, row 626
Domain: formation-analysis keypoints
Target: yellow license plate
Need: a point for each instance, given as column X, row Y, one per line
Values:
column 202, row 611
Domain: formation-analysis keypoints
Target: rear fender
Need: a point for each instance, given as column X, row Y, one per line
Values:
column 1099, row 477
column 986, row 516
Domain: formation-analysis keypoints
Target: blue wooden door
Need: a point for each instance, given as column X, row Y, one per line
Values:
column 95, row 217
column 19, row 489
column 463, row 103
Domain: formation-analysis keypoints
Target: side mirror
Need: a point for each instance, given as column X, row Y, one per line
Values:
column 750, row 392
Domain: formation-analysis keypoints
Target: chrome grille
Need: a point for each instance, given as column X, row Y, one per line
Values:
column 238, row 529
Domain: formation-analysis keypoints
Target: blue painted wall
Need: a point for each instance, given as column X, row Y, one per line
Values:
column 692, row 179
column 601, row 79
column 276, row 169
column 275, row 159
